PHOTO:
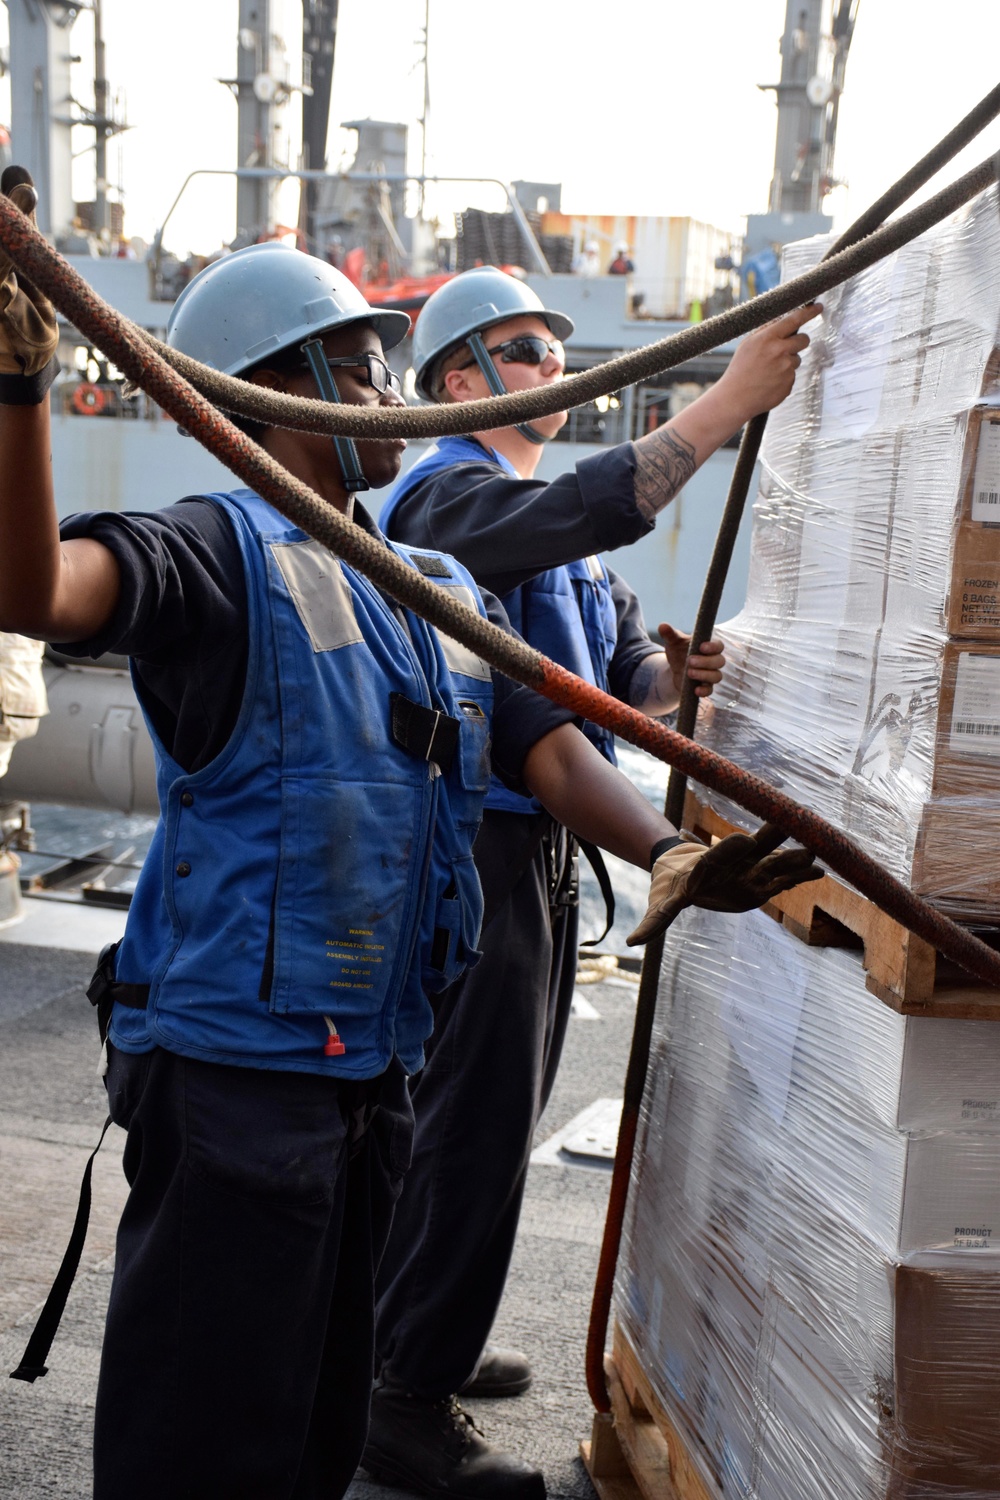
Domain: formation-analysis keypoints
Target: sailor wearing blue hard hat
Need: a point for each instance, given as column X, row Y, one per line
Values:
column 535, row 545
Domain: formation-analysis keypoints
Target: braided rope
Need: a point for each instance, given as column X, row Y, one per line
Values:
column 77, row 301
column 142, row 364
column 922, row 171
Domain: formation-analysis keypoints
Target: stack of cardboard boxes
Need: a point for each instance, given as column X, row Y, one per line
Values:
column 811, row 1276
column 865, row 666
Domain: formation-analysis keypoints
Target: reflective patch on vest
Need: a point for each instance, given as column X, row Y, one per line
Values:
column 319, row 592
column 459, row 658
column 595, row 568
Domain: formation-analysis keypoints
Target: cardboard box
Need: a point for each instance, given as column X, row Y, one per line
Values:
column 946, row 1426
column 953, row 864
column 951, row 1194
column 950, row 1077
column 864, row 669
column 974, row 594
column 811, row 1272
column 967, row 736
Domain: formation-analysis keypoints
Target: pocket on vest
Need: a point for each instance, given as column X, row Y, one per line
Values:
column 457, row 924
column 474, row 751
column 350, row 883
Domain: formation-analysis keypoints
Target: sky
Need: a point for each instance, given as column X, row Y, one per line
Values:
column 636, row 106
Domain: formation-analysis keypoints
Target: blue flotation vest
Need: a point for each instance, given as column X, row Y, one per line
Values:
column 315, row 868
column 567, row 613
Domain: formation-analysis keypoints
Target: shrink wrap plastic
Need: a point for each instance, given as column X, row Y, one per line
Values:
column 811, row 1267
column 864, row 675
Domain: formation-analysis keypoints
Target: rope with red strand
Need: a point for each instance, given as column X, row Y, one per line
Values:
column 141, row 364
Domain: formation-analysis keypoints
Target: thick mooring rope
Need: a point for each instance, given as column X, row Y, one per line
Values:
column 270, row 407
column 141, row 364
column 80, row 304
column 145, row 362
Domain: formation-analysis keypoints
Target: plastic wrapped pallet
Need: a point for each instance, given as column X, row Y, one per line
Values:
column 865, row 666
column 811, row 1273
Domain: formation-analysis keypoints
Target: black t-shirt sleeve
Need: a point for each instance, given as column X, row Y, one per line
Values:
column 633, row 645
column 182, row 617
column 508, row 530
column 521, row 717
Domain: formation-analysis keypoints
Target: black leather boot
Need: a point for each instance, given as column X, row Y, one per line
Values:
column 435, row 1448
column 500, row 1372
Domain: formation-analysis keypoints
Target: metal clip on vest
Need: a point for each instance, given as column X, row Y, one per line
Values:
column 347, row 453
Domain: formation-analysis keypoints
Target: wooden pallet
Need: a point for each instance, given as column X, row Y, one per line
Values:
column 903, row 970
column 635, row 1451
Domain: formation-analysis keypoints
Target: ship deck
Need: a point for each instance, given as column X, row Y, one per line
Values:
column 51, row 1110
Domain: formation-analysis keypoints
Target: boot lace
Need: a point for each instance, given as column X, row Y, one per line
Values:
column 459, row 1423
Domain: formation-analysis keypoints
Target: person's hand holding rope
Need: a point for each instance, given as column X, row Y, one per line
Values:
column 704, row 667
column 738, row 873
column 761, row 373
column 29, row 335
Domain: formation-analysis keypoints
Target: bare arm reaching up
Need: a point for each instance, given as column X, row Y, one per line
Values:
column 52, row 590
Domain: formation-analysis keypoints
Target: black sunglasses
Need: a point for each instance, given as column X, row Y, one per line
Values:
column 525, row 349
column 380, row 377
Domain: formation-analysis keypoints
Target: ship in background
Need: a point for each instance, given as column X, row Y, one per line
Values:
column 109, row 453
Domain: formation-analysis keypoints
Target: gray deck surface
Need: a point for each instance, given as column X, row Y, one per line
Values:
column 51, row 1109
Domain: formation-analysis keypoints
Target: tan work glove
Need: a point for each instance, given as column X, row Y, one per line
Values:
column 736, row 874
column 29, row 335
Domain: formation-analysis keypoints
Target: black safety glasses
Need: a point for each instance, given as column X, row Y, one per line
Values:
column 525, row 349
column 380, row 377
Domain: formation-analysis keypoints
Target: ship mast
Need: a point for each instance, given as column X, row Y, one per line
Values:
column 102, row 127
column 814, row 48
column 319, row 41
column 255, row 90
column 263, row 88
column 44, row 111
column 40, row 90
column 813, row 60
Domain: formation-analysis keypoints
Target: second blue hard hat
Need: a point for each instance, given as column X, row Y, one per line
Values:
column 469, row 303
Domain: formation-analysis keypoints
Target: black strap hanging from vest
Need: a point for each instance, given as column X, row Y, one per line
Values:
column 105, row 990
column 426, row 733
column 596, row 861
column 33, row 1359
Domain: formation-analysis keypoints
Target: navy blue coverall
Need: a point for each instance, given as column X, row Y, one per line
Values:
column 498, row 1031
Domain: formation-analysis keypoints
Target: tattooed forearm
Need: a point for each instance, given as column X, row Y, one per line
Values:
column 651, row 689
column 665, row 464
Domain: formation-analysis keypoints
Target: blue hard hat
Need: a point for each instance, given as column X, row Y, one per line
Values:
column 267, row 298
column 467, row 304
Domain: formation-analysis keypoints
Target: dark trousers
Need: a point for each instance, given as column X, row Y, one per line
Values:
column 237, row 1361
column 490, row 1067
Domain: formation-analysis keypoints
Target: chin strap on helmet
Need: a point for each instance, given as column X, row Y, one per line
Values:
column 496, row 385
column 347, row 453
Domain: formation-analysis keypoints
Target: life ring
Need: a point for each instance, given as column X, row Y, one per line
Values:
column 89, row 400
